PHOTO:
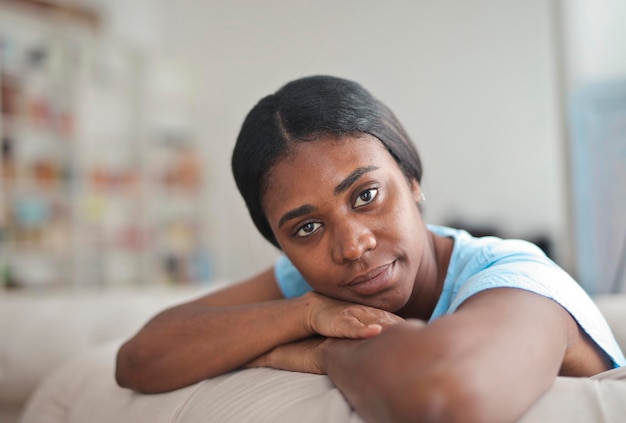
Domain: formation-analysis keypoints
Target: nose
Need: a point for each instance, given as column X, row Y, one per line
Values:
column 352, row 239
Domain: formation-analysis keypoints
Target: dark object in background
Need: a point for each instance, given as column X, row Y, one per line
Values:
column 540, row 240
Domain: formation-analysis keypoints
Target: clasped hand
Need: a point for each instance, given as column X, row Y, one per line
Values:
column 327, row 319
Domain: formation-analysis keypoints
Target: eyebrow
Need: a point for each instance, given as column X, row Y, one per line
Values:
column 292, row 214
column 352, row 178
column 342, row 187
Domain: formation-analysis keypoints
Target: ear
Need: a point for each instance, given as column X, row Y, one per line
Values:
column 416, row 190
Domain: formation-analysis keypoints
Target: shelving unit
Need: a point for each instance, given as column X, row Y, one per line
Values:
column 101, row 183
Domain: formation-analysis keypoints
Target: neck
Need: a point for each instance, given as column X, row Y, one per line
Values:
column 430, row 278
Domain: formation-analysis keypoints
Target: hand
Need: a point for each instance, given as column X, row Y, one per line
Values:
column 341, row 319
column 309, row 355
column 300, row 356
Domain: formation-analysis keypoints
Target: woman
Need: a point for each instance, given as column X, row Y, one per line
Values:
column 330, row 177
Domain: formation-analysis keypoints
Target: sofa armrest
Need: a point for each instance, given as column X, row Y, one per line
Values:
column 84, row 390
column 613, row 307
column 39, row 332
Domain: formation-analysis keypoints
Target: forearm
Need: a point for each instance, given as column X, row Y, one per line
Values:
column 460, row 368
column 382, row 377
column 192, row 342
column 406, row 374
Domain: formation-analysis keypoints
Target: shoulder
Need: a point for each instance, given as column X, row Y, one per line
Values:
column 288, row 278
column 476, row 253
column 481, row 264
column 477, row 264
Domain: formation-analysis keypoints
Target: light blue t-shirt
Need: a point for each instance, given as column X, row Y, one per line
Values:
column 478, row 264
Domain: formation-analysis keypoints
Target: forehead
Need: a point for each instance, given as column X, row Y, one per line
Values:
column 317, row 166
column 332, row 148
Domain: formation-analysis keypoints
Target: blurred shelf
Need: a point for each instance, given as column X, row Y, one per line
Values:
column 100, row 179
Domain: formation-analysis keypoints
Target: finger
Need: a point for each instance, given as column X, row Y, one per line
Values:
column 260, row 361
column 391, row 320
column 352, row 327
column 371, row 330
column 416, row 322
column 380, row 317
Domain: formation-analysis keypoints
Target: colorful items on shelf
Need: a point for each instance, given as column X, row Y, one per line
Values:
column 82, row 203
column 183, row 172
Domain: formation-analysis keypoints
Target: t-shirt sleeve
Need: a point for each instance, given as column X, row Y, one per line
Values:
column 527, row 271
column 290, row 281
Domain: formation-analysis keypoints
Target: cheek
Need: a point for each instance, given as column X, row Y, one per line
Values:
column 314, row 268
column 401, row 221
column 403, row 232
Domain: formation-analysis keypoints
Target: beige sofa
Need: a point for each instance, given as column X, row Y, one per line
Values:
column 57, row 359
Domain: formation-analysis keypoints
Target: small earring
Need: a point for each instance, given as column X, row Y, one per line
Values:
column 422, row 197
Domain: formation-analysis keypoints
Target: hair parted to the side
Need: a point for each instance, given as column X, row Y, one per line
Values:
column 303, row 111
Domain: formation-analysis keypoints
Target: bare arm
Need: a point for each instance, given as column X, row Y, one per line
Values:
column 488, row 362
column 227, row 329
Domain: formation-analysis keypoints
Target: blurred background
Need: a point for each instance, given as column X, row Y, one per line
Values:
column 118, row 119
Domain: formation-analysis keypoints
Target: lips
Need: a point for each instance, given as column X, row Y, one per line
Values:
column 373, row 281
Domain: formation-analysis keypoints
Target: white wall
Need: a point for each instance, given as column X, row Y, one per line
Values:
column 474, row 82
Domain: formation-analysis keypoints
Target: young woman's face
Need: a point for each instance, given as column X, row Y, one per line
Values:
column 347, row 218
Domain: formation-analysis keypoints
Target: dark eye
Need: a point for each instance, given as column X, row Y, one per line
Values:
column 365, row 197
column 308, row 228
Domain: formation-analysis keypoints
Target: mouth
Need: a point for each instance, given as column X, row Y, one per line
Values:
column 374, row 281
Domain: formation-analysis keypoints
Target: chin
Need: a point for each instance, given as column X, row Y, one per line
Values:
column 391, row 302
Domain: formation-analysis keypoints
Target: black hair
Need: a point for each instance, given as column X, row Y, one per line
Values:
column 306, row 110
